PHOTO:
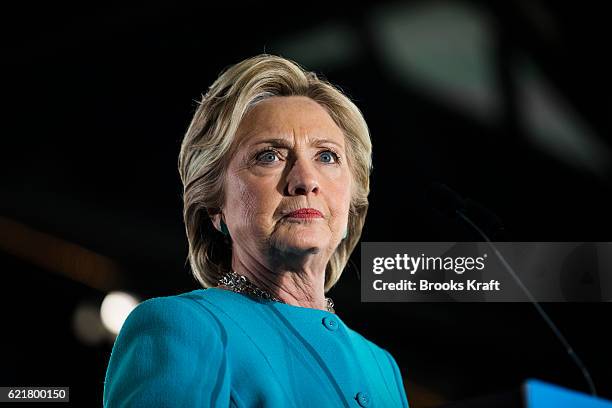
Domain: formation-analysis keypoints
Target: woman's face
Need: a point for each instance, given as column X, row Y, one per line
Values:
column 290, row 156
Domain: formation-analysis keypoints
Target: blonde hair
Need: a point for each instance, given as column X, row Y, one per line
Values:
column 207, row 148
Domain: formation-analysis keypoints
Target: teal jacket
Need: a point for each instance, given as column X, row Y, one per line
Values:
column 216, row 348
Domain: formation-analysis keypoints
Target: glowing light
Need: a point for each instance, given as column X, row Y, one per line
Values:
column 115, row 308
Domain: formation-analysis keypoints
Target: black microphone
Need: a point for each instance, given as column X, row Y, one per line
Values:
column 448, row 202
column 452, row 204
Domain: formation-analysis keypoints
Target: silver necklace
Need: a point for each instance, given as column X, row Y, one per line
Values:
column 241, row 284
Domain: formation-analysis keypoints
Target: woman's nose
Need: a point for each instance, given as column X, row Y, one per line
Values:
column 302, row 179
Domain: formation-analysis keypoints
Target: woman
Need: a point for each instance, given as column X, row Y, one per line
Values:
column 275, row 167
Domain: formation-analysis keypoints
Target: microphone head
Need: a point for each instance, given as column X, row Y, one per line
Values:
column 449, row 203
column 444, row 199
column 486, row 219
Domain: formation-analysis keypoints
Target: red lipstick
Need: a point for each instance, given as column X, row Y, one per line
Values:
column 305, row 213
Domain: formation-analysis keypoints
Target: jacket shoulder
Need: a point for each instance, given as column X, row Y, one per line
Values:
column 160, row 348
column 178, row 312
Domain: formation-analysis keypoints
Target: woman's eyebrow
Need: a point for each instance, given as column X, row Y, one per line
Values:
column 280, row 142
column 317, row 141
column 275, row 142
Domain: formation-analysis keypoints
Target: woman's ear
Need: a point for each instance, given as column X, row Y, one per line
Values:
column 215, row 217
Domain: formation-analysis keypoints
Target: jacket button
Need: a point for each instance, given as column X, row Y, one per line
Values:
column 330, row 323
column 363, row 399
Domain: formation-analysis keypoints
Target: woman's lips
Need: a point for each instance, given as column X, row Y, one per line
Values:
column 305, row 213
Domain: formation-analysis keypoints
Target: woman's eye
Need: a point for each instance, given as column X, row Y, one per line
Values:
column 328, row 157
column 267, row 156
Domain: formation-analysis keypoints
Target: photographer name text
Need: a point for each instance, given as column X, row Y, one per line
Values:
column 424, row 285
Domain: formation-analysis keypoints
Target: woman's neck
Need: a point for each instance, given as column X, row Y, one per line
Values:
column 295, row 279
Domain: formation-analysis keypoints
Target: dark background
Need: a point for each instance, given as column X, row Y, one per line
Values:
column 509, row 104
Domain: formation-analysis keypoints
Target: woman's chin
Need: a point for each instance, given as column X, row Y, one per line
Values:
column 303, row 240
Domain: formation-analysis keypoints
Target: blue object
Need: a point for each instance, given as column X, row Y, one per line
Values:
column 331, row 323
column 216, row 348
column 538, row 394
column 224, row 229
column 363, row 399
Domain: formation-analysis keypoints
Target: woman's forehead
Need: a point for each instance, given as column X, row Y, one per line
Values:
column 288, row 120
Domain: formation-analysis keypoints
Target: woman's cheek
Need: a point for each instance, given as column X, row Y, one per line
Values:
column 342, row 195
column 260, row 206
